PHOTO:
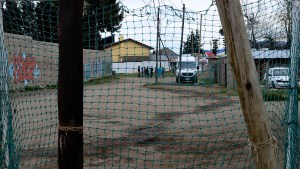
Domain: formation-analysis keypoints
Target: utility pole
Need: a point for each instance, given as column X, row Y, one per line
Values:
column 159, row 51
column 181, row 41
column 157, row 45
column 70, row 85
column 199, row 49
column 192, row 47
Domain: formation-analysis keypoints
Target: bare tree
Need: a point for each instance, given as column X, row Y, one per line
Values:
column 252, row 21
column 285, row 18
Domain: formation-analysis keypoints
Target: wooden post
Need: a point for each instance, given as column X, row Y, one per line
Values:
column 70, row 85
column 261, row 140
column 267, row 76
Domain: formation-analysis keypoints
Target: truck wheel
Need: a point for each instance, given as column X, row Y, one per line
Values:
column 273, row 85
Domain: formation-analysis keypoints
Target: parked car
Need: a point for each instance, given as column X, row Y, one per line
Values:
column 187, row 71
column 278, row 77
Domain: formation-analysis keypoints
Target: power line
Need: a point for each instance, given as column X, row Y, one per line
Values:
column 173, row 4
column 146, row 3
column 182, row 2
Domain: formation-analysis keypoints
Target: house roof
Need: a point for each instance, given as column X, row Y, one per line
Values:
column 270, row 54
column 167, row 51
column 127, row 40
column 210, row 54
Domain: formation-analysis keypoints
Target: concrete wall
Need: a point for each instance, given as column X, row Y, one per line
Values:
column 35, row 63
column 132, row 67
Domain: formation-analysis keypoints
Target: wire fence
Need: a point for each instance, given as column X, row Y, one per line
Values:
column 144, row 106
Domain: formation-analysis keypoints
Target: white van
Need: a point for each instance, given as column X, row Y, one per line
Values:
column 278, row 77
column 187, row 72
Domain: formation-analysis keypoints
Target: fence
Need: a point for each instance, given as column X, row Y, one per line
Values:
column 132, row 122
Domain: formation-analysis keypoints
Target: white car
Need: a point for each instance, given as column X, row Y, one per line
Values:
column 278, row 77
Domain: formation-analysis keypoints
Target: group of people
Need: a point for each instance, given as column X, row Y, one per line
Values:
column 148, row 71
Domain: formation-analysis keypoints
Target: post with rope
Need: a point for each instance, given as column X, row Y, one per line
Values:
column 70, row 85
column 261, row 140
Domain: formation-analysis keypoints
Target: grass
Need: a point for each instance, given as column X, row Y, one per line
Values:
column 106, row 79
column 229, row 92
column 275, row 95
column 102, row 80
column 52, row 86
column 32, row 88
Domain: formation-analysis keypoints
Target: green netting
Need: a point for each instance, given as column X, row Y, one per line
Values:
column 135, row 113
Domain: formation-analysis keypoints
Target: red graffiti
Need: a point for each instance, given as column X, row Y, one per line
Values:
column 23, row 68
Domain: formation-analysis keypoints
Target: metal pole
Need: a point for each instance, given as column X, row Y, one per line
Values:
column 7, row 142
column 3, row 117
column 199, row 49
column 157, row 50
column 267, row 76
column 181, row 41
column 292, row 144
column 70, row 85
column 192, row 47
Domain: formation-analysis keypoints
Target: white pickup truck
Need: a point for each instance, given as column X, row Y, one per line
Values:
column 278, row 77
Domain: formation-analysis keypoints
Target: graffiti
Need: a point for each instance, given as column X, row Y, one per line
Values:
column 24, row 69
column 94, row 69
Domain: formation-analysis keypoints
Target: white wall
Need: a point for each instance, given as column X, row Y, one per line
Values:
column 131, row 67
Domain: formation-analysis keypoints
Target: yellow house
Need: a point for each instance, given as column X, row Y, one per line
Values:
column 128, row 50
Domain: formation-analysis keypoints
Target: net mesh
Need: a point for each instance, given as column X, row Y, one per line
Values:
column 138, row 111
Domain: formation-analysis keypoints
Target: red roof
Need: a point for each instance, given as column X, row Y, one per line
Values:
column 210, row 54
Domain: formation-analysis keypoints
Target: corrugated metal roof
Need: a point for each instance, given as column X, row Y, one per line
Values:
column 270, row 54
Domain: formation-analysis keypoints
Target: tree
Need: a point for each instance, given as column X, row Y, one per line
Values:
column 215, row 46
column 12, row 18
column 251, row 13
column 285, row 17
column 47, row 21
column 41, row 20
column 221, row 31
column 100, row 16
column 192, row 43
column 29, row 25
column 251, row 21
column 270, row 42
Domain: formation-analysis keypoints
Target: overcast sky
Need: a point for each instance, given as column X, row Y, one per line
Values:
column 144, row 29
column 140, row 23
column 196, row 5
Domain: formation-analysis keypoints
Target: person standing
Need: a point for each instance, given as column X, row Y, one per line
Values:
column 146, row 72
column 163, row 72
column 151, row 71
column 139, row 71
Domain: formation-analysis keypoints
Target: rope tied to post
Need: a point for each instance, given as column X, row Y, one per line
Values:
column 66, row 129
column 259, row 146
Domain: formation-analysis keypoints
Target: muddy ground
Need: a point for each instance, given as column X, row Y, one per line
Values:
column 133, row 123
